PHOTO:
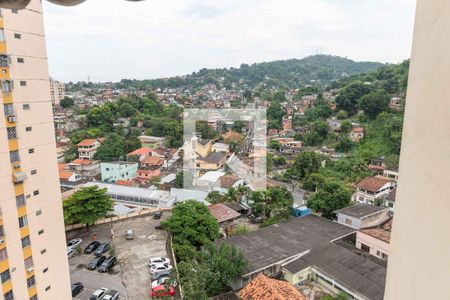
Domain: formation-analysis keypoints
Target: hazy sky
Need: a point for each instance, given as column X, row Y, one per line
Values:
column 114, row 39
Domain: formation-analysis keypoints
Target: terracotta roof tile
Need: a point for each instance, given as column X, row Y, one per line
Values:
column 383, row 232
column 140, row 151
column 222, row 212
column 87, row 142
column 153, row 161
column 372, row 184
column 264, row 288
column 82, row 161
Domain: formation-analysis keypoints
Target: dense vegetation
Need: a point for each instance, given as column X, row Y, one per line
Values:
column 289, row 73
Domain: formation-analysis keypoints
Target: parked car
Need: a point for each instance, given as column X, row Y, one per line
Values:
column 157, row 276
column 95, row 262
column 129, row 235
column 112, row 295
column 77, row 287
column 157, row 268
column 72, row 244
column 160, row 281
column 160, row 291
column 158, row 260
column 102, row 248
column 98, row 294
column 158, row 225
column 157, row 215
column 108, row 264
column 70, row 253
column 91, row 247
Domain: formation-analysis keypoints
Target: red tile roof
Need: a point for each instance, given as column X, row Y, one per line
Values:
column 83, row 161
column 153, row 161
column 227, row 181
column 87, row 142
column 140, row 151
column 372, row 184
column 264, row 288
column 125, row 182
column 222, row 212
column 382, row 232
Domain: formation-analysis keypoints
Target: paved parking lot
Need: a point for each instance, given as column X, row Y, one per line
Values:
column 131, row 276
column 135, row 254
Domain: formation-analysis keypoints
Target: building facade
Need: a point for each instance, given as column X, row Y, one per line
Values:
column 33, row 255
column 118, row 170
column 57, row 91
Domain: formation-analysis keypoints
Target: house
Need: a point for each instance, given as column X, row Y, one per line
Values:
column 152, row 162
column 391, row 174
column 223, row 213
column 65, row 175
column 268, row 248
column 336, row 268
column 145, row 176
column 371, row 189
column 210, row 180
column 202, row 147
column 265, row 288
column 214, row 161
column 220, row 147
column 287, row 122
column 356, row 133
column 140, row 153
column 389, row 200
column 136, row 196
column 334, row 125
column 375, row 240
column 113, row 171
column 85, row 167
column 87, row 148
column 151, row 141
column 362, row 215
column 377, row 166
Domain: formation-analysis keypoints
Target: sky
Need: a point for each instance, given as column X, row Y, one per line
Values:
column 109, row 40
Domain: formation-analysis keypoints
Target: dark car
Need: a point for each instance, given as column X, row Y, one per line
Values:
column 158, row 225
column 95, row 262
column 77, row 288
column 102, row 248
column 91, row 247
column 157, row 215
column 108, row 264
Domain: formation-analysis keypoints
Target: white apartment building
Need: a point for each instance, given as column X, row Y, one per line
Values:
column 57, row 91
column 33, row 255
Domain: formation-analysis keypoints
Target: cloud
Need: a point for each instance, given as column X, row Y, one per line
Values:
column 115, row 39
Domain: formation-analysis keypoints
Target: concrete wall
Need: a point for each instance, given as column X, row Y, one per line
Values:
column 419, row 263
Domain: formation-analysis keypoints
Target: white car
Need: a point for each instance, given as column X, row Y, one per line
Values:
column 70, row 253
column 72, row 244
column 157, row 268
column 99, row 294
column 158, row 260
column 160, row 281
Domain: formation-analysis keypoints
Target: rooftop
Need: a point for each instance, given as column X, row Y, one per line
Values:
column 211, row 176
column 213, row 157
column 264, row 288
column 203, row 141
column 82, row 161
column 278, row 242
column 382, row 232
column 223, row 213
column 347, row 267
column 153, row 160
column 372, row 184
column 140, row 151
column 360, row 210
column 87, row 142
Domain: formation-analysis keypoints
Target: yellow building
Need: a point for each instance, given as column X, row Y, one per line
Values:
column 33, row 257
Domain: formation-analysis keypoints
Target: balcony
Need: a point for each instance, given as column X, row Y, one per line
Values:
column 19, row 177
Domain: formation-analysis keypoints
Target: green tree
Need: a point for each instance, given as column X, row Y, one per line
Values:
column 66, row 102
column 305, row 163
column 374, row 103
column 274, row 144
column 332, row 196
column 87, row 206
column 113, row 148
column 192, row 223
column 346, row 127
column 349, row 96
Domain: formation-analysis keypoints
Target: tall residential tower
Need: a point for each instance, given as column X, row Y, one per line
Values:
column 33, row 260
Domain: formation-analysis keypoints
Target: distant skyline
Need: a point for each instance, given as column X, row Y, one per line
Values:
column 109, row 40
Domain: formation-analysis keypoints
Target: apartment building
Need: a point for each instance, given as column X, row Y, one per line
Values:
column 33, row 257
column 57, row 91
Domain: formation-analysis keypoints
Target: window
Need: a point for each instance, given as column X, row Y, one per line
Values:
column 20, row 200
column 45, row 270
column 14, row 11
column 2, row 231
column 31, row 151
column 26, row 106
column 17, row 35
column 31, row 281
column 14, row 156
column 43, row 252
column 20, row 60
column 23, row 83
column 23, row 221
column 29, row 263
column 365, row 248
column 12, row 133
column 26, row 241
column 40, row 231
column 3, row 254
column 29, row 128
column 47, row 288
column 36, row 192
column 5, row 276
column 33, row 172
column 9, row 109
column 39, row 212
column 9, row 295
column 348, row 221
